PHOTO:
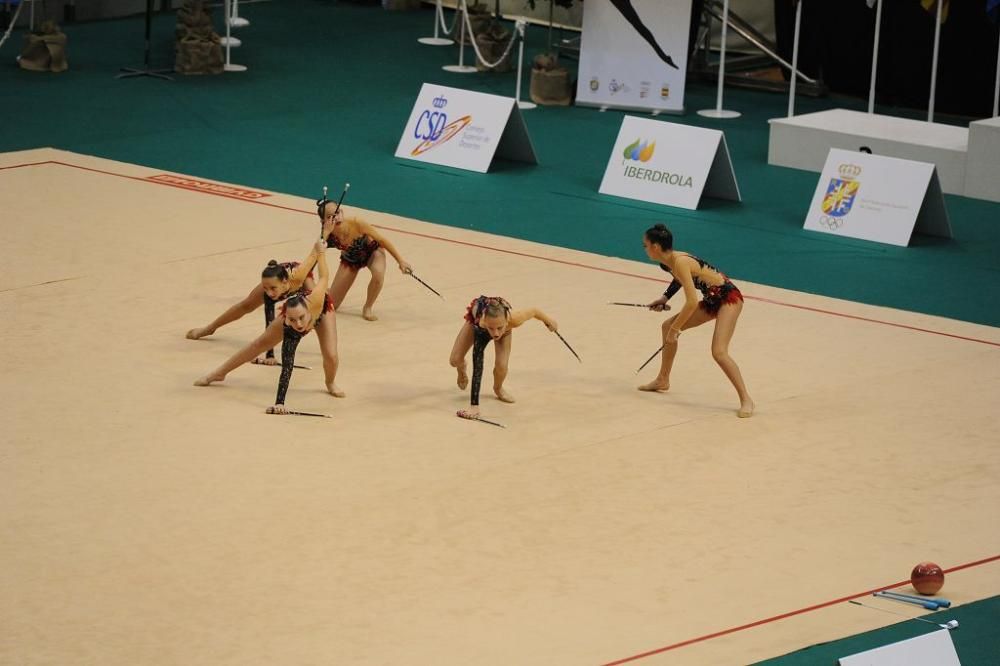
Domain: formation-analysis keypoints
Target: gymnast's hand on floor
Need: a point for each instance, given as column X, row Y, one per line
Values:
column 277, row 409
column 265, row 360
column 470, row 413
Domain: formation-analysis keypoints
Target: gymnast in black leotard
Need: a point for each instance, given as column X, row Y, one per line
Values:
column 489, row 318
column 721, row 301
column 302, row 312
column 278, row 281
column 361, row 246
column 299, row 317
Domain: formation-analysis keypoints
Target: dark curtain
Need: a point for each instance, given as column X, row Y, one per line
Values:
column 836, row 45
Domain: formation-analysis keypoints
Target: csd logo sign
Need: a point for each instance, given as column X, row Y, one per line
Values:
column 431, row 123
column 433, row 127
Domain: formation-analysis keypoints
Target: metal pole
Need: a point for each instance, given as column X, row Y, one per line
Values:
column 934, row 61
column 878, row 29
column 795, row 59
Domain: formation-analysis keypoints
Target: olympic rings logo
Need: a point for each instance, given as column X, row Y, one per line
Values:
column 831, row 223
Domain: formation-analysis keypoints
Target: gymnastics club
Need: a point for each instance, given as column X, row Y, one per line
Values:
column 278, row 365
column 462, row 414
column 410, row 273
column 291, row 413
column 347, row 186
column 649, row 359
column 950, row 624
column 943, row 603
column 929, row 605
column 638, row 305
column 568, row 347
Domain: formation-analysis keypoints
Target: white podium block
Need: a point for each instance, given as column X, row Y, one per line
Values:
column 982, row 167
column 802, row 142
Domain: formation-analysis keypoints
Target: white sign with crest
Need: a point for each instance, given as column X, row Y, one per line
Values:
column 464, row 129
column 877, row 198
column 669, row 163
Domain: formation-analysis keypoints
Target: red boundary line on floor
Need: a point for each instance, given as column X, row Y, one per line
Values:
column 784, row 615
column 522, row 254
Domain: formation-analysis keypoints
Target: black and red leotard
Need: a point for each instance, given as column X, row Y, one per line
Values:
column 356, row 255
column 473, row 313
column 269, row 302
column 713, row 296
column 289, row 343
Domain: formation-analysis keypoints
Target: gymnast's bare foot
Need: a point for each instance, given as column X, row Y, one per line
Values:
column 658, row 385
column 196, row 333
column 746, row 409
column 502, row 395
column 335, row 390
column 368, row 315
column 463, row 377
column 208, row 379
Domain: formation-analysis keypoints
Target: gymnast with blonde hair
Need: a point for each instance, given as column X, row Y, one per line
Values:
column 489, row 319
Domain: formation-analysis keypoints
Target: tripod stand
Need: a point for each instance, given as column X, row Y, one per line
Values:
column 146, row 71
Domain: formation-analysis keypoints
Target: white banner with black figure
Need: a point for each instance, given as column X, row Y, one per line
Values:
column 633, row 54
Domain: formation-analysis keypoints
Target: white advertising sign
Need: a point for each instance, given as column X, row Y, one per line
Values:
column 877, row 198
column 633, row 54
column 669, row 163
column 464, row 129
column 933, row 649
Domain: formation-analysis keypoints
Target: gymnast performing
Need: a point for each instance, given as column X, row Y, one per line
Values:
column 301, row 312
column 721, row 301
column 489, row 318
column 278, row 281
column 361, row 246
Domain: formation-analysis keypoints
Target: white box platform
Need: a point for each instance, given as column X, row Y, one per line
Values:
column 802, row 142
column 982, row 168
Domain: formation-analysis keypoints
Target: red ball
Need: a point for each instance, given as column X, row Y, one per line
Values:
column 927, row 578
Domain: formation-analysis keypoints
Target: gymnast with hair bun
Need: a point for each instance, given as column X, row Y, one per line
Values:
column 301, row 313
column 278, row 281
column 489, row 318
column 721, row 300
